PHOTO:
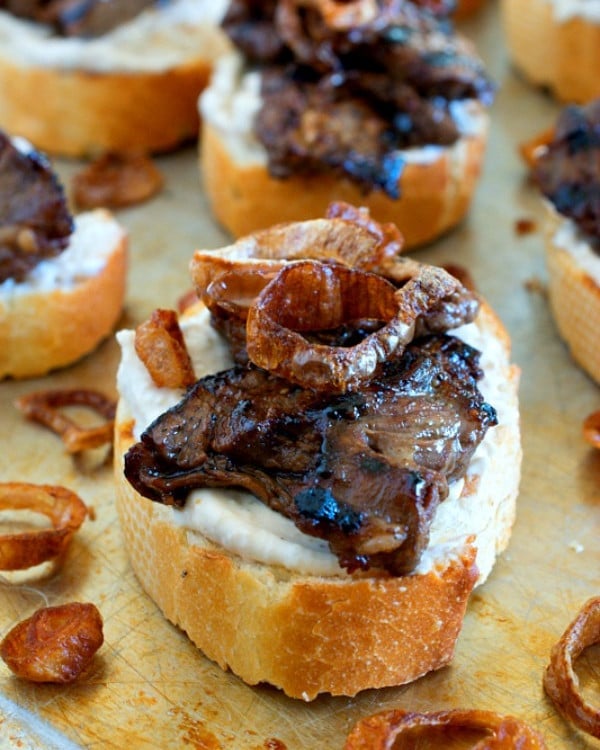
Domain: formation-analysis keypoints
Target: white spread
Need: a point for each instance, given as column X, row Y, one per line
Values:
column 589, row 10
column 232, row 100
column 176, row 32
column 568, row 237
column 242, row 524
column 95, row 236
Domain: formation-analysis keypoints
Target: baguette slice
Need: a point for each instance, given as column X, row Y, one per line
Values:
column 573, row 290
column 68, row 304
column 563, row 56
column 75, row 102
column 309, row 633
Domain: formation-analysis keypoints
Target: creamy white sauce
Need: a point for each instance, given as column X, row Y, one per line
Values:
column 159, row 38
column 243, row 525
column 95, row 236
column 232, row 100
column 568, row 237
column 564, row 10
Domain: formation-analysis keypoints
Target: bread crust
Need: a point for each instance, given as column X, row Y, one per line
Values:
column 434, row 196
column 574, row 300
column 309, row 634
column 44, row 330
column 562, row 56
column 83, row 113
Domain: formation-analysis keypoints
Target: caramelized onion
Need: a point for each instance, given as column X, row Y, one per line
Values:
column 380, row 731
column 160, row 345
column 308, row 296
column 65, row 510
column 44, row 407
column 561, row 682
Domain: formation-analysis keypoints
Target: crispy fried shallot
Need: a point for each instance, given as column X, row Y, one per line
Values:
column 55, row 644
column 531, row 150
column 309, row 296
column 490, row 730
column 65, row 509
column 347, row 236
column 44, row 407
column 116, row 180
column 561, row 682
column 591, row 429
column 160, row 345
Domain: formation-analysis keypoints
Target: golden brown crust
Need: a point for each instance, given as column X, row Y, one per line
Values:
column 83, row 113
column 574, row 300
column 563, row 56
column 41, row 331
column 308, row 634
column 434, row 196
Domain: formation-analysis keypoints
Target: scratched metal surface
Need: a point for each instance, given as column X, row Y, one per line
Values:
column 148, row 686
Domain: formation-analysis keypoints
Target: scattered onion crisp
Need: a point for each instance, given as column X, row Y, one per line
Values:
column 382, row 731
column 66, row 511
column 55, row 644
column 160, row 345
column 560, row 681
column 116, row 180
column 44, row 407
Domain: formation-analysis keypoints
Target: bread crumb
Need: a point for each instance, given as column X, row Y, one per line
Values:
column 576, row 546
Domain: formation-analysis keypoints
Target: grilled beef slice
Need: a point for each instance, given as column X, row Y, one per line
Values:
column 365, row 470
column 568, row 173
column 347, row 101
column 83, row 18
column 34, row 220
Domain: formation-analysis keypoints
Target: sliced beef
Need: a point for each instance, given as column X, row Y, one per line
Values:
column 343, row 100
column 364, row 470
column 568, row 173
column 34, row 220
column 83, row 18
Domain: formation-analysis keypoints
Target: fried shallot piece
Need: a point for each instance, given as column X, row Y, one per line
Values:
column 44, row 407
column 160, row 345
column 116, row 180
column 65, row 509
column 591, row 429
column 487, row 729
column 560, row 681
column 55, row 644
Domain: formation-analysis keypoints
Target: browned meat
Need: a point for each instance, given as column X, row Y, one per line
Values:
column 365, row 470
column 34, row 220
column 345, row 99
column 86, row 18
column 568, row 173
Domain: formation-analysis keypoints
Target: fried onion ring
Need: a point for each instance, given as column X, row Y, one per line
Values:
column 380, row 731
column 65, row 510
column 43, row 407
column 160, row 345
column 348, row 236
column 308, row 296
column 561, row 682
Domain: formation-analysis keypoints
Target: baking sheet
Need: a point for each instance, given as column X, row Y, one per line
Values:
column 149, row 687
